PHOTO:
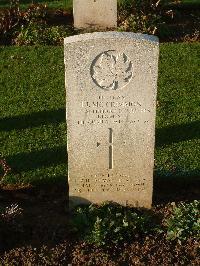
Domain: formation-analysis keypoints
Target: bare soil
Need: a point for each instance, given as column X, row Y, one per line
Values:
column 183, row 26
column 42, row 235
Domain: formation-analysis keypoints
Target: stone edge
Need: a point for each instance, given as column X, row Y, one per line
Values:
column 111, row 34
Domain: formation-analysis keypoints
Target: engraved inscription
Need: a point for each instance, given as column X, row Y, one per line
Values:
column 111, row 70
column 109, row 183
column 111, row 109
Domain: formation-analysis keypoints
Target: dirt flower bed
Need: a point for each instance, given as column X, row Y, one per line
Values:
column 40, row 233
column 39, row 25
column 151, row 251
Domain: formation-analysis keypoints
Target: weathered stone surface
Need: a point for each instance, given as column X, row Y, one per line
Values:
column 111, row 83
column 95, row 13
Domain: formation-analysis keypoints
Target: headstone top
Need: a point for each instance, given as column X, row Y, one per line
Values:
column 112, row 34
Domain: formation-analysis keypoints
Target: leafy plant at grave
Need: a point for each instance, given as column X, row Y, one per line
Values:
column 36, row 13
column 35, row 33
column 13, row 19
column 184, row 221
column 10, row 19
column 145, row 16
column 111, row 224
column 29, row 27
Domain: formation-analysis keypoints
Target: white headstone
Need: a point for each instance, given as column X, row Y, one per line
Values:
column 111, row 84
column 95, row 13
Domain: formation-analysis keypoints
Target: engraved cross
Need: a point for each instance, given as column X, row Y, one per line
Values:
column 110, row 148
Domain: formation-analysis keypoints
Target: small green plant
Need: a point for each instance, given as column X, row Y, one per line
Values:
column 145, row 16
column 29, row 27
column 10, row 19
column 13, row 19
column 184, row 221
column 111, row 224
column 34, row 33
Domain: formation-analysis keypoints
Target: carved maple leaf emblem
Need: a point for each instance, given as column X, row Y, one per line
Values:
column 111, row 71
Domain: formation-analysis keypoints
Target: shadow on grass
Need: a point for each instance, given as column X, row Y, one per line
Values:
column 32, row 120
column 177, row 133
column 165, row 188
column 58, row 155
column 179, row 188
column 38, row 159
column 164, row 136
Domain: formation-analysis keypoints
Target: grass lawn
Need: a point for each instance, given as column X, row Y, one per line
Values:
column 32, row 112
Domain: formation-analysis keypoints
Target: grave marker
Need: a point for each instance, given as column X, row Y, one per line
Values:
column 111, row 83
column 95, row 13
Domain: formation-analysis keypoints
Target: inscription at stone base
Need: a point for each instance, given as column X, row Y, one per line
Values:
column 111, row 101
column 109, row 184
